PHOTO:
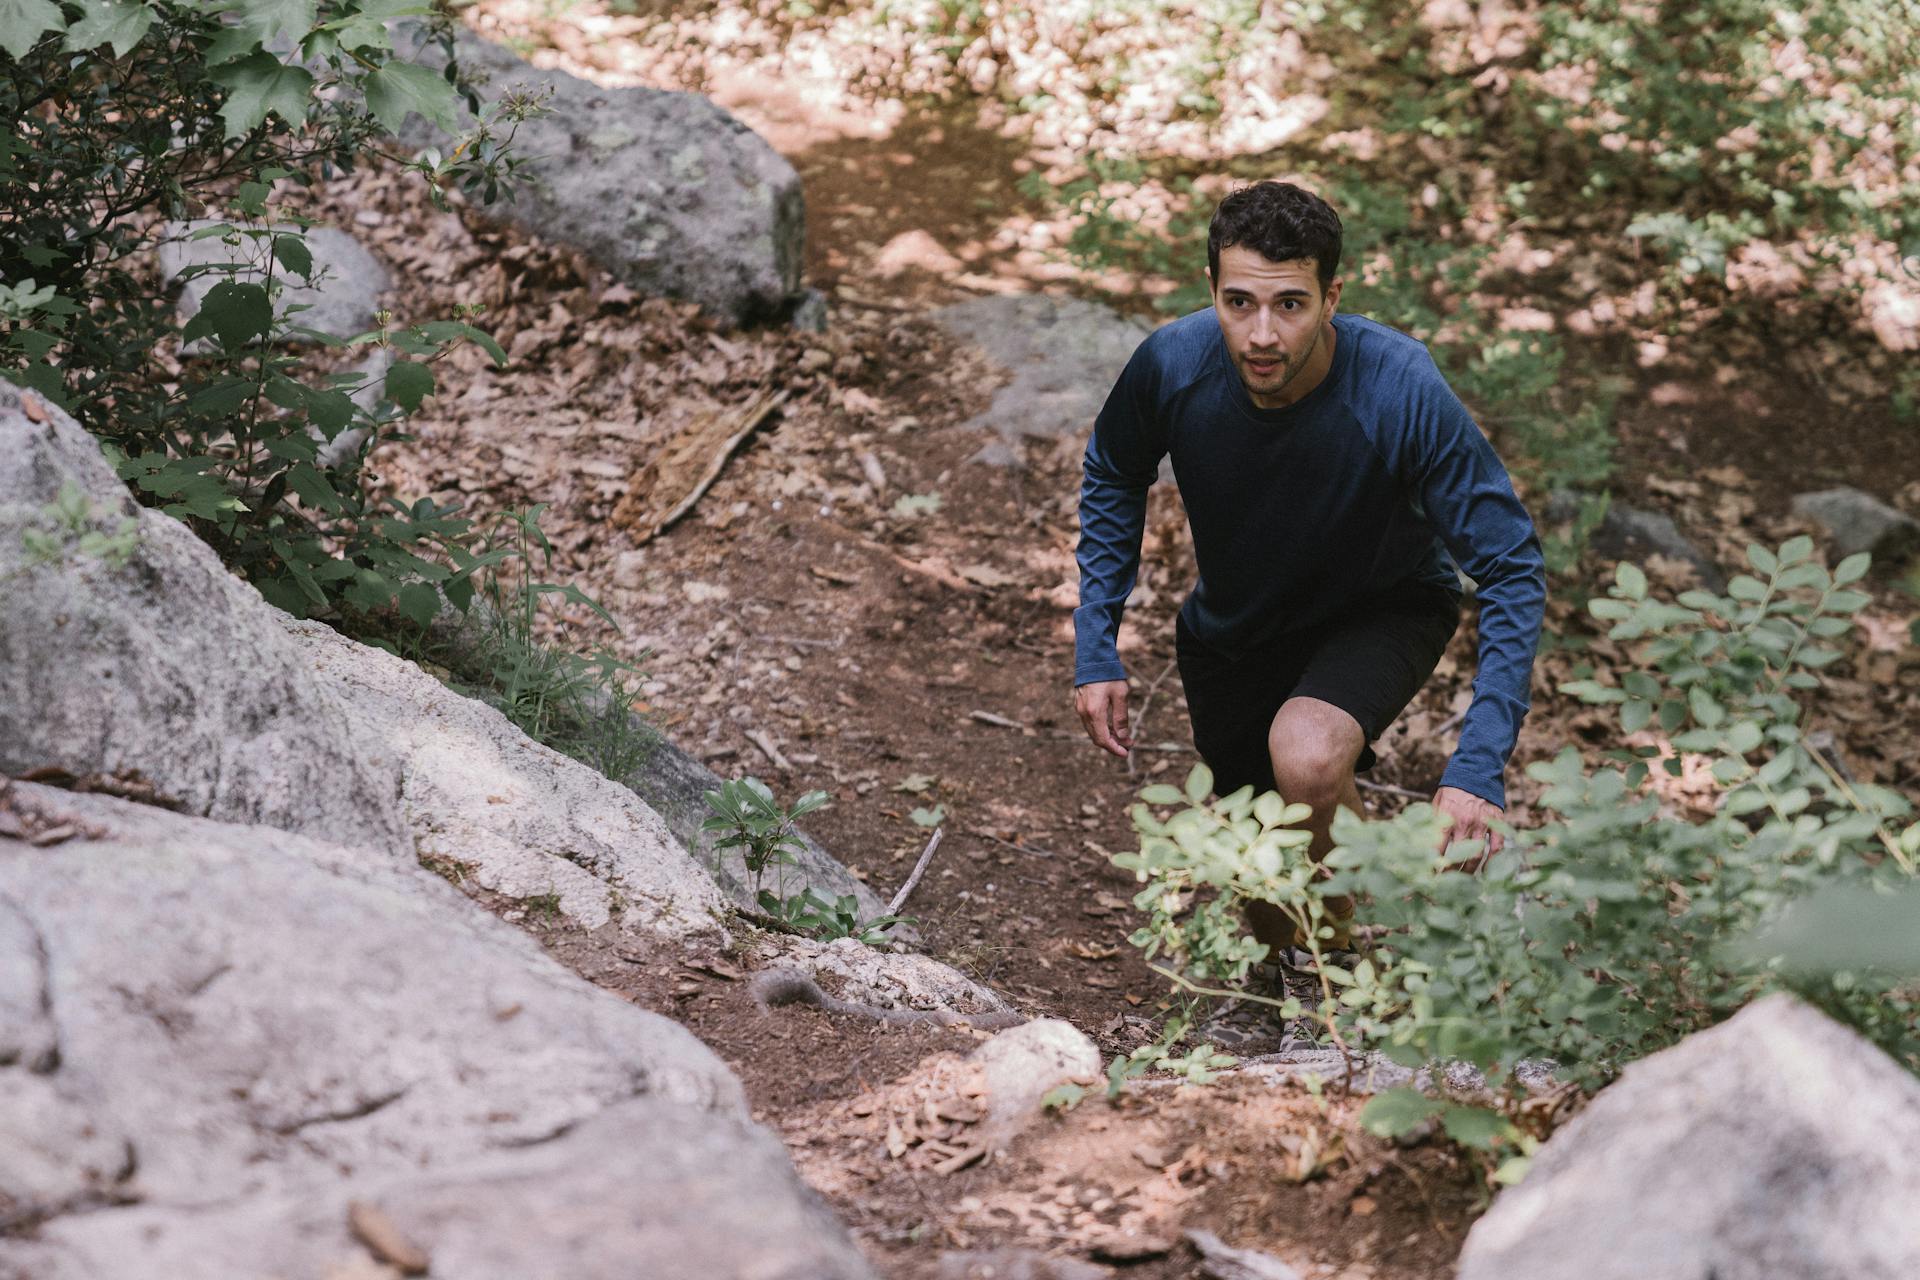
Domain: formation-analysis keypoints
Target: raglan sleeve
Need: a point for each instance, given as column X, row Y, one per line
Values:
column 1469, row 498
column 1122, row 461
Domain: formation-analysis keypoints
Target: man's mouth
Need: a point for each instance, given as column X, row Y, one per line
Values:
column 1264, row 367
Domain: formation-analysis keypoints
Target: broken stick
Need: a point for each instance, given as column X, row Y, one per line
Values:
column 919, row 869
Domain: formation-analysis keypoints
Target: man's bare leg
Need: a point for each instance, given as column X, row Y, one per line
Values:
column 1314, row 747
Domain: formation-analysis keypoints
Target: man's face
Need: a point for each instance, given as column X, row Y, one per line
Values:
column 1272, row 315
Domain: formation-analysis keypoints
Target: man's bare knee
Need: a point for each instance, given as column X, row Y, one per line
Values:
column 1314, row 746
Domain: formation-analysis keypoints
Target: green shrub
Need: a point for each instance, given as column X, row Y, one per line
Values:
column 1615, row 926
column 131, row 113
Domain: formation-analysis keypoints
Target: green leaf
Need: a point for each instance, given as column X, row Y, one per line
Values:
column 1397, row 1111
column 929, row 817
column 399, row 89
column 1635, row 715
column 258, row 84
column 23, row 22
column 1852, row 569
column 1475, row 1127
column 1632, row 582
column 292, row 253
column 120, row 23
column 1762, row 559
column 1162, row 793
column 313, row 488
column 235, row 313
column 1796, row 549
column 420, row 603
column 408, row 383
column 1199, row 783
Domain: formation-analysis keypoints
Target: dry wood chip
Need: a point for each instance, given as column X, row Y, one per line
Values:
column 686, row 465
column 834, row 576
column 374, row 1229
column 31, row 406
column 53, row 835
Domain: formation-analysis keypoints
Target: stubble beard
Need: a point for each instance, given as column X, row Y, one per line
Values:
column 1289, row 369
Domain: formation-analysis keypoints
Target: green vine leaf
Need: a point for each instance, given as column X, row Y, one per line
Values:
column 120, row 23
column 400, row 89
column 23, row 22
column 258, row 84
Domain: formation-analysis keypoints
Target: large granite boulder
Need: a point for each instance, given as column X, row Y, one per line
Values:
column 162, row 676
column 1777, row 1144
column 237, row 1052
column 168, row 678
column 665, row 190
column 480, row 799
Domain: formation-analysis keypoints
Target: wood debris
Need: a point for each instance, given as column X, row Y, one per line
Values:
column 683, row 468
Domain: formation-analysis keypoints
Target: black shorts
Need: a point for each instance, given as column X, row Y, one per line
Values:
column 1369, row 662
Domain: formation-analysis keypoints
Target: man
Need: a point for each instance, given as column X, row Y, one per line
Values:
column 1327, row 471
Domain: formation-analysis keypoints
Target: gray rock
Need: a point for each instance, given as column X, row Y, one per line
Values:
column 674, row 785
column 1022, row 1064
column 1856, row 522
column 1630, row 533
column 347, row 279
column 1061, row 356
column 167, row 672
column 479, row 798
column 1014, row 1264
column 1777, row 1144
column 665, row 190
column 259, row 1028
column 171, row 673
column 888, row 980
column 810, row 313
column 1221, row 1261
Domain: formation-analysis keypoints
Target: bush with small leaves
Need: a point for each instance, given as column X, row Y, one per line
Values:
column 1619, row 923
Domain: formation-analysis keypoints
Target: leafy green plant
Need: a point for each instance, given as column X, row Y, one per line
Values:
column 1618, row 924
column 816, row 916
column 133, row 112
column 747, row 817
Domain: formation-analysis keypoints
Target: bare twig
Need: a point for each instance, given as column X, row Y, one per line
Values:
column 998, row 722
column 1388, row 788
column 1146, row 704
column 759, row 738
column 1451, row 723
column 919, row 869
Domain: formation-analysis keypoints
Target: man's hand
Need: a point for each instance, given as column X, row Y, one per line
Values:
column 1470, row 815
column 1103, row 710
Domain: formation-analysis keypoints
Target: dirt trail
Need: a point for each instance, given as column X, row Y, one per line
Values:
column 922, row 663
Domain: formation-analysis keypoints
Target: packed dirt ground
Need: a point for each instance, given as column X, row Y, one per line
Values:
column 806, row 625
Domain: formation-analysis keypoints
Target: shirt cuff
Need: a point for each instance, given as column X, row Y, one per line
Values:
column 1492, row 790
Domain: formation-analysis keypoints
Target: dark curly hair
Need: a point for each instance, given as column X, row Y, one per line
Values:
column 1280, row 222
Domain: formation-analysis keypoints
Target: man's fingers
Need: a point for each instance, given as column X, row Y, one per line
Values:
column 1100, row 711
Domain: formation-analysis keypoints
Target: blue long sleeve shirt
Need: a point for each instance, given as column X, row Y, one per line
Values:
column 1369, row 481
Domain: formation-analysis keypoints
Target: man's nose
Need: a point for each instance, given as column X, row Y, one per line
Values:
column 1264, row 331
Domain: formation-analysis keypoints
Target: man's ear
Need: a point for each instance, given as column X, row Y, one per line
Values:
column 1333, row 294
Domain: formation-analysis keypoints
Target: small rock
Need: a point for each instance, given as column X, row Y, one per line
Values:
column 1856, row 522
column 1020, row 1066
column 810, row 313
column 349, row 279
column 1222, row 1261
column 1630, row 533
column 1014, row 1264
